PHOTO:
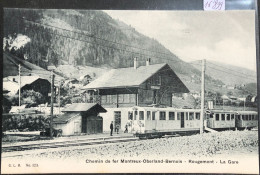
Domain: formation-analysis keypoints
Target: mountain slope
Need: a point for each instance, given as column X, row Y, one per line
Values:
column 85, row 38
column 228, row 74
column 90, row 38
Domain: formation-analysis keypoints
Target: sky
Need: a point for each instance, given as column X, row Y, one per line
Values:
column 223, row 36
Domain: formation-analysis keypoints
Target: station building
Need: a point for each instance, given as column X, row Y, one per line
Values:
column 122, row 89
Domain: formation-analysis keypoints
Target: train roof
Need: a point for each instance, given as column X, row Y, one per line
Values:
column 188, row 110
column 236, row 112
column 163, row 109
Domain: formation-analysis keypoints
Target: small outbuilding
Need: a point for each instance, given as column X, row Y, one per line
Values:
column 80, row 118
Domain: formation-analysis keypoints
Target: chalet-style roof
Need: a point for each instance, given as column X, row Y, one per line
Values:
column 65, row 117
column 11, row 83
column 10, row 68
column 125, row 77
column 84, row 107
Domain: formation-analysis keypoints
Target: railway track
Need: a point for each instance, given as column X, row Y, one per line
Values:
column 60, row 144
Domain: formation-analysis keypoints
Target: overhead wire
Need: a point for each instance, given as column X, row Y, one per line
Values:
column 174, row 61
column 229, row 69
column 92, row 36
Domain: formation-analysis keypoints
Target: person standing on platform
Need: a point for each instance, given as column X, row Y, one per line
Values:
column 126, row 128
column 111, row 128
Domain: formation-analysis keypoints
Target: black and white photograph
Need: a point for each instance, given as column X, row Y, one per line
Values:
column 139, row 91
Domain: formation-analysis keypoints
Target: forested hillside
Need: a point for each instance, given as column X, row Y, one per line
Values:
column 80, row 39
column 85, row 38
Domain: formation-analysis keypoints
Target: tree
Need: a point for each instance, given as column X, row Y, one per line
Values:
column 32, row 97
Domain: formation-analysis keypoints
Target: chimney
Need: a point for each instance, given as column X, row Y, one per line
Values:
column 148, row 60
column 135, row 63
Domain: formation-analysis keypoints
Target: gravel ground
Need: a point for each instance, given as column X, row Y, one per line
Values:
column 205, row 145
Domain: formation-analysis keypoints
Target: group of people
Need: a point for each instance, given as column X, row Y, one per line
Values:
column 117, row 128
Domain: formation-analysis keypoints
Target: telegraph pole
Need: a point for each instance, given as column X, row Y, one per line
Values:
column 19, row 84
column 202, row 95
column 59, row 95
column 244, row 104
column 52, row 98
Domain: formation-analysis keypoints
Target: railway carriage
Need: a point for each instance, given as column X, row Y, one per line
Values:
column 220, row 120
column 246, row 119
column 153, row 121
column 157, row 122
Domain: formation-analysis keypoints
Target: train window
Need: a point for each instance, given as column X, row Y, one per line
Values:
column 187, row 115
column 178, row 115
column 191, row 116
column 217, row 116
column 171, row 116
column 228, row 116
column 246, row 117
column 130, row 115
column 162, row 115
column 232, row 116
column 141, row 115
column 148, row 115
column 250, row 117
column 153, row 115
column 222, row 116
column 136, row 113
column 243, row 117
column 197, row 115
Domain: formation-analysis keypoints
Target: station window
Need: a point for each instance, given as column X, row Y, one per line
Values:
column 171, row 116
column 191, row 116
column 222, row 116
column 187, row 115
column 130, row 115
column 198, row 116
column 141, row 115
column 178, row 115
column 243, row 117
column 228, row 116
column 153, row 115
column 217, row 116
column 246, row 117
column 250, row 117
column 232, row 116
column 162, row 115
column 148, row 115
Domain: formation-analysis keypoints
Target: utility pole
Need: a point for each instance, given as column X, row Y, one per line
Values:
column 202, row 95
column 59, row 95
column 52, row 99
column 244, row 104
column 19, row 84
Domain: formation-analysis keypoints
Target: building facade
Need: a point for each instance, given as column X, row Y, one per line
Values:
column 121, row 89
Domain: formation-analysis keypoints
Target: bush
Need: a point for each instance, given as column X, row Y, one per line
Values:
column 27, row 97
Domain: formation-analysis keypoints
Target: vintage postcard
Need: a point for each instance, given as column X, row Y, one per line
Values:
column 107, row 91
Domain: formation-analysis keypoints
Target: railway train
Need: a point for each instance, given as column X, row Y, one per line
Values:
column 150, row 122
